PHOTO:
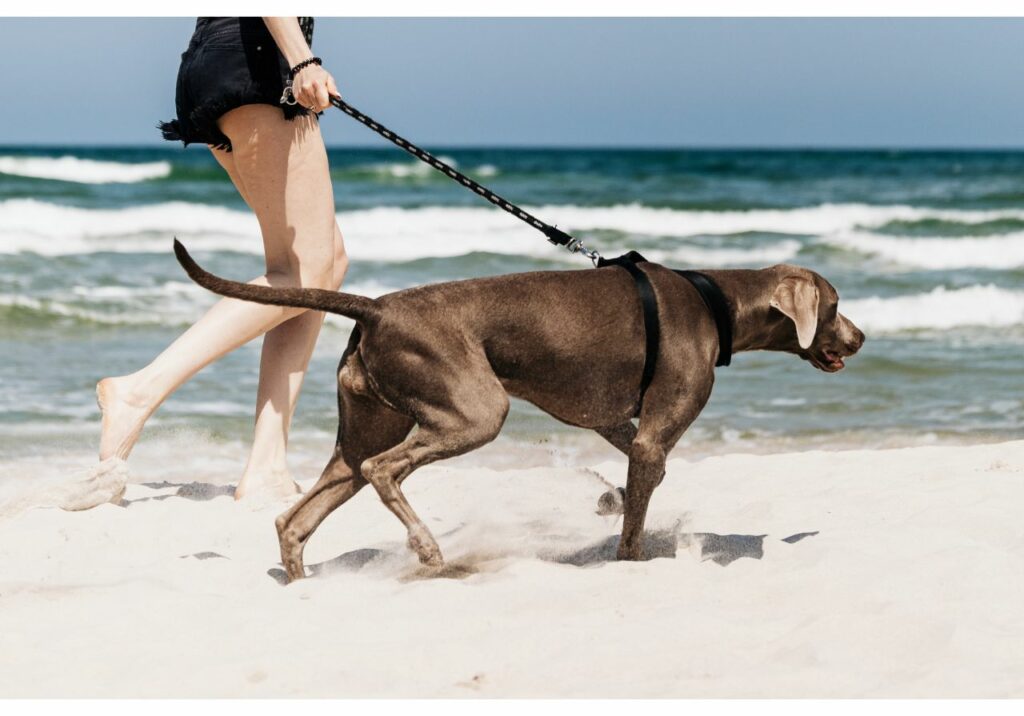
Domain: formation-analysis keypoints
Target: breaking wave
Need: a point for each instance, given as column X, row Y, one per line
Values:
column 396, row 234
column 939, row 309
column 173, row 303
column 1005, row 251
column 83, row 171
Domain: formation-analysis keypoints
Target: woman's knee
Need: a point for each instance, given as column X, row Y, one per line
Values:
column 317, row 271
column 329, row 267
column 307, row 269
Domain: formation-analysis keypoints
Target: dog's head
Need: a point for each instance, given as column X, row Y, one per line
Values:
column 810, row 325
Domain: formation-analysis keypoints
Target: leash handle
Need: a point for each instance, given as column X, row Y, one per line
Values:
column 555, row 235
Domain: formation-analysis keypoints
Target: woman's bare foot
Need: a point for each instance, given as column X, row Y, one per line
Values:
column 263, row 488
column 124, row 414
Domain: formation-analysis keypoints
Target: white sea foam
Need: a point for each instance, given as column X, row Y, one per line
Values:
column 394, row 234
column 168, row 289
column 770, row 252
column 809, row 221
column 55, row 229
column 371, row 288
column 406, row 170
column 172, row 303
column 83, row 171
column 994, row 252
column 125, row 314
column 939, row 309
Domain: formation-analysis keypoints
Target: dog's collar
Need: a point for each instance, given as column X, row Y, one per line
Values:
column 716, row 302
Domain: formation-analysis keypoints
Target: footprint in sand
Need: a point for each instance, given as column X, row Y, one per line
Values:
column 106, row 482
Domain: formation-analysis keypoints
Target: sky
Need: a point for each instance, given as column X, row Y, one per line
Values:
column 769, row 82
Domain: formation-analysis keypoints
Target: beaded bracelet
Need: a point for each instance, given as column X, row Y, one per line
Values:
column 305, row 63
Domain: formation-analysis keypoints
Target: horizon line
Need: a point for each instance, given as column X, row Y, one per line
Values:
column 571, row 147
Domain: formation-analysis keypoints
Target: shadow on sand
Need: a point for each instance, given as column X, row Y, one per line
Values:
column 720, row 549
column 197, row 491
column 348, row 562
column 657, row 545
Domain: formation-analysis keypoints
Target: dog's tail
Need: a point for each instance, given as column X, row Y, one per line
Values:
column 360, row 308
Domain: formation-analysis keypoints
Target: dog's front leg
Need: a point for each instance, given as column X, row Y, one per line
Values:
column 660, row 429
column 646, row 470
column 621, row 436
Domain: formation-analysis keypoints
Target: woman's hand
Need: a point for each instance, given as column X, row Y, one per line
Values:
column 313, row 88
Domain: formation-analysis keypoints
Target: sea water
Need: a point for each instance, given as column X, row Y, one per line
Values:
column 925, row 248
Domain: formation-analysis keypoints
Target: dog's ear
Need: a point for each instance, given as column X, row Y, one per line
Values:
column 797, row 297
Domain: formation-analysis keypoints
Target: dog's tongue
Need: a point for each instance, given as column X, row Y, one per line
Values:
column 834, row 360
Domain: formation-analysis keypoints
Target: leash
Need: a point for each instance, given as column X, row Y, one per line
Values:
column 709, row 291
column 555, row 235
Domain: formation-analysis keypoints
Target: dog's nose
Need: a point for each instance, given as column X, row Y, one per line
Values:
column 858, row 339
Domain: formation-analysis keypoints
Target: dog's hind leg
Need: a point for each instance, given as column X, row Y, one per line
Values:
column 443, row 433
column 337, row 484
column 366, row 427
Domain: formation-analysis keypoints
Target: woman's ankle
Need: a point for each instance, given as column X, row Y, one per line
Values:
column 265, row 473
column 135, row 389
column 266, row 483
column 124, row 412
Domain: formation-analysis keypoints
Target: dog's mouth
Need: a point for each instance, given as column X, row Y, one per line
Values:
column 828, row 360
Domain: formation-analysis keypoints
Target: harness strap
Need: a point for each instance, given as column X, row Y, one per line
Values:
column 714, row 299
column 649, row 303
column 709, row 292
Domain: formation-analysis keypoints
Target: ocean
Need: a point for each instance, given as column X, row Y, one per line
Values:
column 925, row 248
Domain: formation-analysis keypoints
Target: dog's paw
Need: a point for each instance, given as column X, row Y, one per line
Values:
column 612, row 502
column 422, row 543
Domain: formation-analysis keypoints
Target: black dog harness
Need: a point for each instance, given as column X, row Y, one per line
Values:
column 709, row 291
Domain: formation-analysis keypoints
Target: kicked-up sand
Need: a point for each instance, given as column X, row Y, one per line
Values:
column 881, row 573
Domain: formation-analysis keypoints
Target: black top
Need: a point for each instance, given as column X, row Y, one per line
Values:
column 306, row 23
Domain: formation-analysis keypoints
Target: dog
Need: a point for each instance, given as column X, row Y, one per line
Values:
column 446, row 357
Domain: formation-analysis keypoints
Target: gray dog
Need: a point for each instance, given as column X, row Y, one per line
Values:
column 445, row 358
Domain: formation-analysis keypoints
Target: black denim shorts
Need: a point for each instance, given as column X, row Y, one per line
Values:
column 230, row 61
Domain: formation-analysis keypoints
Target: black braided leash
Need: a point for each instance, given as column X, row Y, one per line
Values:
column 709, row 291
column 554, row 234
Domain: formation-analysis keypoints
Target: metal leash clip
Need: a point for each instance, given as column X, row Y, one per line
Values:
column 575, row 246
column 288, row 96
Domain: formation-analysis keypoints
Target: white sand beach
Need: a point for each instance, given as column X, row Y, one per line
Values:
column 815, row 574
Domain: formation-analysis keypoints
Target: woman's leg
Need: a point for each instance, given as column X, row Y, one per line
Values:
column 287, row 349
column 285, row 356
column 283, row 167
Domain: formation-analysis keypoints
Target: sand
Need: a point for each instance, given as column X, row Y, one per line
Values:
column 880, row 573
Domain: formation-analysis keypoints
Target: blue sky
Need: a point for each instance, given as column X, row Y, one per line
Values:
column 553, row 82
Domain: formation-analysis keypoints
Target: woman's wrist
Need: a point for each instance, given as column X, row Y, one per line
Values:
column 299, row 66
column 289, row 39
